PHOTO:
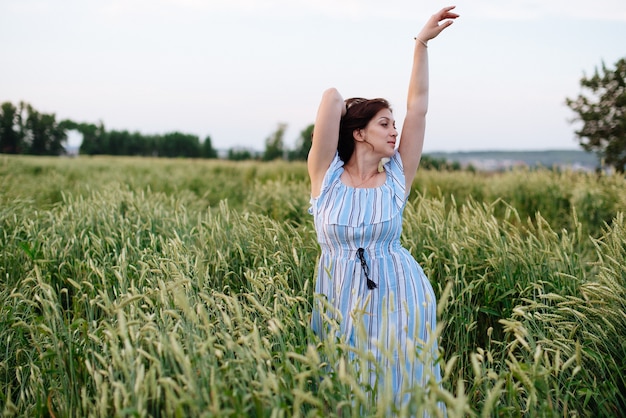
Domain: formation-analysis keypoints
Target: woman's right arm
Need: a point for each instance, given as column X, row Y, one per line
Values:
column 325, row 137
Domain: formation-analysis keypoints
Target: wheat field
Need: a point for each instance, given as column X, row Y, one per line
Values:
column 154, row 287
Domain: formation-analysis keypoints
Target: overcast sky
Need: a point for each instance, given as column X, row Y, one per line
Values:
column 235, row 69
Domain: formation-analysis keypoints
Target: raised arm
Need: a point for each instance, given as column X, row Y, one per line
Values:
column 325, row 137
column 413, row 128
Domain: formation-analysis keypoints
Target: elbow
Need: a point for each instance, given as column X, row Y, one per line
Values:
column 331, row 99
column 332, row 95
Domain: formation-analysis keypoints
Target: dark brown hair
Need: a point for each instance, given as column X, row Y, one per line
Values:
column 359, row 112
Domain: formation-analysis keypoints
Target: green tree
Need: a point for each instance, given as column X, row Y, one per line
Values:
column 117, row 142
column 10, row 134
column 603, row 115
column 440, row 164
column 44, row 135
column 137, row 144
column 93, row 137
column 303, row 144
column 239, row 154
column 274, row 144
column 207, row 148
column 176, row 144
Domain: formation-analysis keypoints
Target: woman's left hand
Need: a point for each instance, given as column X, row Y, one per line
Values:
column 434, row 26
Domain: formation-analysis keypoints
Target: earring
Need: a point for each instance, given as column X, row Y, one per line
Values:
column 381, row 163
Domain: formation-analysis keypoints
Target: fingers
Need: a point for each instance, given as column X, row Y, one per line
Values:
column 444, row 18
column 447, row 9
column 446, row 13
column 449, row 16
column 437, row 23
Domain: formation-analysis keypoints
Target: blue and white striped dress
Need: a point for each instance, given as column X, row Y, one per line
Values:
column 399, row 315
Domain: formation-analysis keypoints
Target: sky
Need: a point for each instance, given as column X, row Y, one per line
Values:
column 236, row 69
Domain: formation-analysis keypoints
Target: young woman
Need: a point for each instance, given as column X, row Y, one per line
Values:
column 361, row 174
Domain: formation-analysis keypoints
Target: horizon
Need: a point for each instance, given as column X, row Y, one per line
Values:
column 476, row 151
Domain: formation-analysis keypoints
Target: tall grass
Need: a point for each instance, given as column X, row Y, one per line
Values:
column 183, row 288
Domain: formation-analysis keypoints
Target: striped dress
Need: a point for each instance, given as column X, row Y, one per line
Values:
column 371, row 285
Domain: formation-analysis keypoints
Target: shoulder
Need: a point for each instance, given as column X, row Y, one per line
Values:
column 331, row 173
column 397, row 174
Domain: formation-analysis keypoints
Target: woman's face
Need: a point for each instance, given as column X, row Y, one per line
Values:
column 380, row 133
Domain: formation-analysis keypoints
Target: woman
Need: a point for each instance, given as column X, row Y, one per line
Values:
column 360, row 182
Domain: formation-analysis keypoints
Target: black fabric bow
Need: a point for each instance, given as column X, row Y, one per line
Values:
column 360, row 253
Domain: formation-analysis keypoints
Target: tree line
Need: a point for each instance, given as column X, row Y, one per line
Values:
column 24, row 130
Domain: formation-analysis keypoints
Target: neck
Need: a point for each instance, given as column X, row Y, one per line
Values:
column 360, row 176
column 361, row 172
column 361, row 165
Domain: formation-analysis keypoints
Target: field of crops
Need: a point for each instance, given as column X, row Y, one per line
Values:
column 154, row 287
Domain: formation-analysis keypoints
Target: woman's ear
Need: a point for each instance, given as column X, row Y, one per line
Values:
column 358, row 135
